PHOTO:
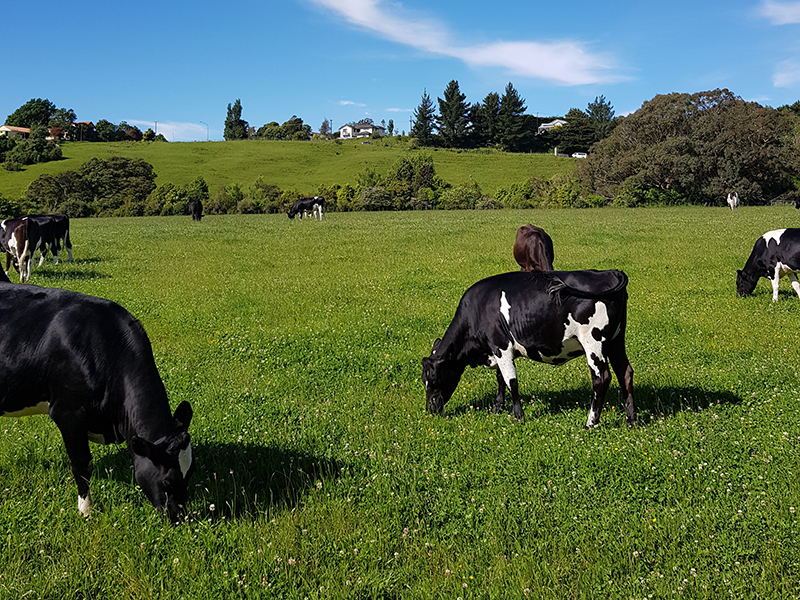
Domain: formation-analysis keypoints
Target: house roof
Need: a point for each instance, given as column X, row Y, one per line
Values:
column 15, row 129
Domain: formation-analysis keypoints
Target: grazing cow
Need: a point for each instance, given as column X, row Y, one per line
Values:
column 775, row 254
column 547, row 316
column 533, row 249
column 305, row 206
column 54, row 231
column 196, row 210
column 19, row 239
column 733, row 200
column 88, row 364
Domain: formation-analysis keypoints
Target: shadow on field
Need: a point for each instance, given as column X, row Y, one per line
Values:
column 69, row 273
column 651, row 402
column 238, row 479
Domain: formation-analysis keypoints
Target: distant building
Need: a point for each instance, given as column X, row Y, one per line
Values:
column 360, row 130
column 18, row 133
column 551, row 125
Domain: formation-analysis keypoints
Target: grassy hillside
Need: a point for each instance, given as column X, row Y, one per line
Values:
column 302, row 166
column 319, row 473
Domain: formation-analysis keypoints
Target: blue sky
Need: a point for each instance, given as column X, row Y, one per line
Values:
column 179, row 64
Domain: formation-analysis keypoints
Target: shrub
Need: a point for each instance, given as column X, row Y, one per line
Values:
column 464, row 196
column 374, row 198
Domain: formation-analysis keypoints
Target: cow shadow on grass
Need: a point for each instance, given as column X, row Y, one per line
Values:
column 651, row 402
column 237, row 480
column 74, row 271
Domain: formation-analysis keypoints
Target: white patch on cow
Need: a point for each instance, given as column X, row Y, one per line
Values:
column 185, row 459
column 42, row 408
column 781, row 270
column 505, row 362
column 593, row 418
column 85, row 505
column 505, row 307
column 577, row 336
column 773, row 235
column 95, row 438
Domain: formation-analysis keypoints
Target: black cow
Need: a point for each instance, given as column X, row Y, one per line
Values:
column 533, row 249
column 54, row 230
column 305, row 206
column 19, row 239
column 547, row 316
column 196, row 210
column 775, row 254
column 88, row 363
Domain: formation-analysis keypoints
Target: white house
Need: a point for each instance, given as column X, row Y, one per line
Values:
column 15, row 132
column 550, row 125
column 360, row 130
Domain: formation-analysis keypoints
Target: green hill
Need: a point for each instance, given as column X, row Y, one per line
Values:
column 301, row 166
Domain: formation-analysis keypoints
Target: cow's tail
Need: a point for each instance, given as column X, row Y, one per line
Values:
column 558, row 288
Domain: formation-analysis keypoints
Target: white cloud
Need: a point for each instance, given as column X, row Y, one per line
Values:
column 781, row 13
column 565, row 62
column 175, row 132
column 350, row 103
column 787, row 74
column 399, row 110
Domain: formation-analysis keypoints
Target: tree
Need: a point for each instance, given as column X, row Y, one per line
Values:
column 235, row 126
column 696, row 148
column 390, row 127
column 511, row 132
column 487, row 126
column 601, row 116
column 453, row 119
column 106, row 131
column 36, row 111
column 62, row 121
column 577, row 135
column 129, row 133
column 424, row 121
column 325, row 128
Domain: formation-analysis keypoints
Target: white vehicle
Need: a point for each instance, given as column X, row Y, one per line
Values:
column 579, row 155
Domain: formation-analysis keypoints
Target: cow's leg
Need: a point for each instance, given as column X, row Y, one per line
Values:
column 76, row 442
column 501, row 393
column 506, row 368
column 68, row 246
column 795, row 283
column 601, row 379
column 775, row 282
column 42, row 254
column 624, row 372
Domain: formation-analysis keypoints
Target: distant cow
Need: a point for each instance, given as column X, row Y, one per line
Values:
column 305, row 206
column 88, row 363
column 733, row 200
column 196, row 210
column 533, row 249
column 54, row 230
column 19, row 239
column 547, row 316
column 775, row 254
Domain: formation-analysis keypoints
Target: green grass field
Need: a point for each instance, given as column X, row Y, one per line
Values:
column 319, row 473
column 301, row 166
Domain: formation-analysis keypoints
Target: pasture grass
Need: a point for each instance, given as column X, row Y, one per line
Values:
column 319, row 473
column 301, row 166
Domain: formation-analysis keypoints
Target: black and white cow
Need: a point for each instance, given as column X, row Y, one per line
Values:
column 19, row 239
column 88, row 364
column 733, row 200
column 775, row 254
column 533, row 249
column 547, row 316
column 54, row 230
column 196, row 210
column 306, row 206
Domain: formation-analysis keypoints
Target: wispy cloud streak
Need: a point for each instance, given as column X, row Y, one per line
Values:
column 781, row 13
column 564, row 62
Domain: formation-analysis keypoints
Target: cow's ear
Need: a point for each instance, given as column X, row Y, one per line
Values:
column 437, row 342
column 183, row 416
column 141, row 447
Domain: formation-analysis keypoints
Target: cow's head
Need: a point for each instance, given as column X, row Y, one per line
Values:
column 745, row 284
column 440, row 375
column 162, row 468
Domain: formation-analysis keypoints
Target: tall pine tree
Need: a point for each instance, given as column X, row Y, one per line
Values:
column 423, row 121
column 488, row 124
column 453, row 120
column 512, row 131
column 235, row 126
